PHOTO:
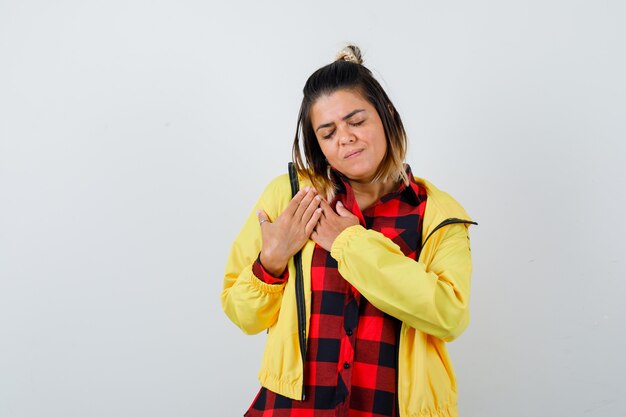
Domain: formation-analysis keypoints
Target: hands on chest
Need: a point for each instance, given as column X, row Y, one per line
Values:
column 308, row 216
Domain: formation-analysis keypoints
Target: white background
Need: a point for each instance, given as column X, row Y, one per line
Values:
column 135, row 136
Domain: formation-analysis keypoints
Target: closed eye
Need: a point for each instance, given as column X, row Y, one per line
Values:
column 353, row 124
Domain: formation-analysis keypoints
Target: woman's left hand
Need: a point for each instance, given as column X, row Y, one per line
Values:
column 332, row 223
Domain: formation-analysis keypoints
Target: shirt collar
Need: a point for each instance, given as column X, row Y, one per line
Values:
column 342, row 185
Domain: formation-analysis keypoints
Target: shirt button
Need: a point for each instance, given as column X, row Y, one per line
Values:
column 349, row 332
column 346, row 365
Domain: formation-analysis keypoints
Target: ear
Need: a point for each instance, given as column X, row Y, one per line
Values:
column 390, row 108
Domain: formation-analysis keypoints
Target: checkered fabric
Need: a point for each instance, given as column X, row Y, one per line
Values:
column 351, row 361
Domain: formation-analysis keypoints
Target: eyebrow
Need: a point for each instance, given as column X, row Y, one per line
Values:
column 346, row 117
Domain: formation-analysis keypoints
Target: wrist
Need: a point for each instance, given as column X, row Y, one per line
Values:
column 272, row 265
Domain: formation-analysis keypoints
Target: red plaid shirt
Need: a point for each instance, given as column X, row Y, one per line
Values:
column 351, row 361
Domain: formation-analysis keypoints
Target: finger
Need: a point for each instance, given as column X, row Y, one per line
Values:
column 342, row 210
column 310, row 226
column 304, row 203
column 262, row 217
column 326, row 208
column 295, row 201
column 313, row 205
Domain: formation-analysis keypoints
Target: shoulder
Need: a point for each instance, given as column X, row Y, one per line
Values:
column 441, row 201
column 277, row 195
column 281, row 185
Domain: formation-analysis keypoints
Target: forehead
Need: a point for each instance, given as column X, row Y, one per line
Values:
column 334, row 106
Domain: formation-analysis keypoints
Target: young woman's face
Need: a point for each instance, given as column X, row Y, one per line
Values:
column 350, row 134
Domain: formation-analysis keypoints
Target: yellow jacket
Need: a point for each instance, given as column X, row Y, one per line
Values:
column 430, row 297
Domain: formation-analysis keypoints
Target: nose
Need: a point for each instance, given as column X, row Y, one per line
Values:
column 346, row 136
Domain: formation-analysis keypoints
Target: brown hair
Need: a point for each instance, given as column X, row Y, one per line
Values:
column 347, row 73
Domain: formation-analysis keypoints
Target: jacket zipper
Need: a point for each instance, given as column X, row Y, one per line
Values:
column 297, row 259
column 301, row 311
column 445, row 223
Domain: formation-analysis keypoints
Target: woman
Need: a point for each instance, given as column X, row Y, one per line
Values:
column 385, row 260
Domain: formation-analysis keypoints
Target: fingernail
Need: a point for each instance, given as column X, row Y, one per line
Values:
column 318, row 198
column 258, row 212
column 339, row 203
column 306, row 189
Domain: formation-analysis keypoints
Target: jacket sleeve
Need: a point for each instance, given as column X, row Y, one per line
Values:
column 432, row 298
column 248, row 301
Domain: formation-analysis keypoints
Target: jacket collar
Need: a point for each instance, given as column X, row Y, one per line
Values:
column 343, row 187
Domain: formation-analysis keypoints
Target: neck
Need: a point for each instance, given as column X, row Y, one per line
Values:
column 368, row 193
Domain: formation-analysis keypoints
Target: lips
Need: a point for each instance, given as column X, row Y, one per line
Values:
column 352, row 154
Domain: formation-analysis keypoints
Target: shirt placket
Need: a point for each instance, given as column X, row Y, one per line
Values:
column 346, row 353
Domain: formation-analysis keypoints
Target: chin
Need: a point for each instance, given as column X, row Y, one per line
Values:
column 359, row 176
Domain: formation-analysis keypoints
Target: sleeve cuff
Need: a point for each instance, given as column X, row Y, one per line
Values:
column 259, row 271
column 340, row 242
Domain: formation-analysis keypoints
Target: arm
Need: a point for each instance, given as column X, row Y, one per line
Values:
column 431, row 298
column 251, row 297
column 249, row 302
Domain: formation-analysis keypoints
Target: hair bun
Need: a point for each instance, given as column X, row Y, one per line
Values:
column 350, row 53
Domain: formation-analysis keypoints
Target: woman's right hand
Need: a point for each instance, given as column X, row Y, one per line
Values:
column 284, row 237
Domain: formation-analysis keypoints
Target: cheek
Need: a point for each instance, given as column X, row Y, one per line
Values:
column 326, row 148
column 382, row 141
